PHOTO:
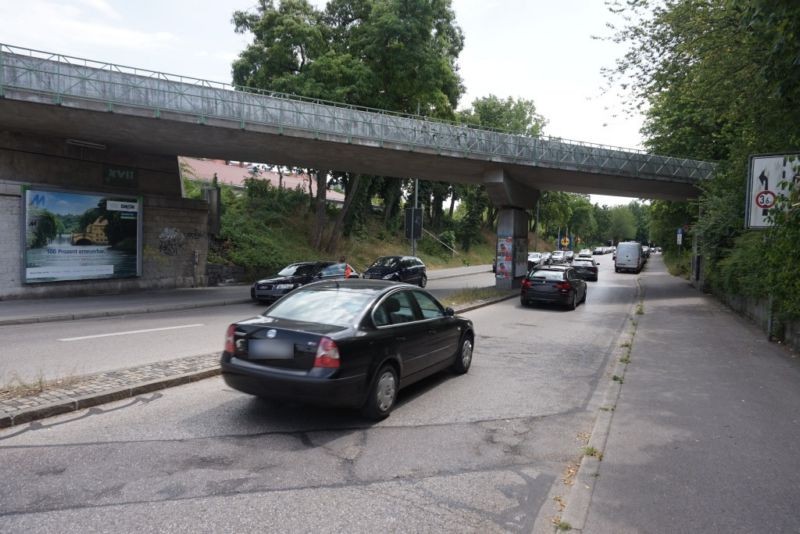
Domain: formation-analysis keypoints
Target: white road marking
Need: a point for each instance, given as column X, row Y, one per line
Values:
column 132, row 332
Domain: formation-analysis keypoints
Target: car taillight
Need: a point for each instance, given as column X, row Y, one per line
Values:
column 327, row 354
column 526, row 283
column 564, row 286
column 230, row 346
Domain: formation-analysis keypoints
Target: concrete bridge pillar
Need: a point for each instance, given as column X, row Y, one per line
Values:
column 512, row 198
column 512, row 247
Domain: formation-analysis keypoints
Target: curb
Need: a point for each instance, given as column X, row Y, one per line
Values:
column 579, row 497
column 111, row 395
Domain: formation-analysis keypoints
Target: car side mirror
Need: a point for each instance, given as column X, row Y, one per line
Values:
column 449, row 312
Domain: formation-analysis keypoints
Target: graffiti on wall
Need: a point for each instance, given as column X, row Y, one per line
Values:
column 170, row 241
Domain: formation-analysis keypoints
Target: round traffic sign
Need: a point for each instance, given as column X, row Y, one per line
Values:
column 565, row 241
column 765, row 199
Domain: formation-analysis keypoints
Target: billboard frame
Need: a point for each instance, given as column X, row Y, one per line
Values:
column 108, row 196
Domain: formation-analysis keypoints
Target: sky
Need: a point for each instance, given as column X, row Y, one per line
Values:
column 539, row 50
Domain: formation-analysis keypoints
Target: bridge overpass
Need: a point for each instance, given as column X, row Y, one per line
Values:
column 100, row 106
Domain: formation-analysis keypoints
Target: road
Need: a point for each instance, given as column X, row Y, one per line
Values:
column 485, row 452
column 72, row 348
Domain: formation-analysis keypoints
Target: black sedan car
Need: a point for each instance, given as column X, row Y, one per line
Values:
column 556, row 284
column 586, row 268
column 295, row 275
column 346, row 343
column 409, row 269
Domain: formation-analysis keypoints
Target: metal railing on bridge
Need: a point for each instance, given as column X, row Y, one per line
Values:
column 64, row 80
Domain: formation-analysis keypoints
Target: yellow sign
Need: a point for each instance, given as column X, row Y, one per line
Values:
column 565, row 241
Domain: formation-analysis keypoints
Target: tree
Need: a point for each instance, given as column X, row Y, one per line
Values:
column 623, row 224
column 516, row 116
column 398, row 55
column 720, row 80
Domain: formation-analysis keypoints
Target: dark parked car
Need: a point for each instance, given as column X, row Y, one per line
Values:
column 586, row 268
column 556, row 284
column 408, row 269
column 346, row 343
column 293, row 276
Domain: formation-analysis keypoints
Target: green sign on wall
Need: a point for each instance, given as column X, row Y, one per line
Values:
column 119, row 176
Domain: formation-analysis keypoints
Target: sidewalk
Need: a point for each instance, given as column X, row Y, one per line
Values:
column 25, row 311
column 705, row 433
column 86, row 391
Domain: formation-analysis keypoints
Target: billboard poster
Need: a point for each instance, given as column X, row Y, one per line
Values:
column 769, row 181
column 80, row 236
column 504, row 257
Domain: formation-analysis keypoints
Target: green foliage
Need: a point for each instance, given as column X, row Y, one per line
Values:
column 46, row 229
column 720, row 80
column 623, row 224
column 511, row 115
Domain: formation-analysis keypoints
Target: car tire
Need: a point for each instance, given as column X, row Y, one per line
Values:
column 382, row 395
column 585, row 292
column 574, row 302
column 464, row 356
column 423, row 281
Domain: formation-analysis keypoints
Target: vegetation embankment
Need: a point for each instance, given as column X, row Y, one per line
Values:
column 719, row 80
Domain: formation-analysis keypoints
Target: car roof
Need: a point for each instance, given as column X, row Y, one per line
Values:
column 553, row 268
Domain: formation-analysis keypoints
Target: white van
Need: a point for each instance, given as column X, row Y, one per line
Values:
column 629, row 257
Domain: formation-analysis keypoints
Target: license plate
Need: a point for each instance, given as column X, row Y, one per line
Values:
column 270, row 349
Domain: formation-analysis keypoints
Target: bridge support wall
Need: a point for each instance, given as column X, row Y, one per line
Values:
column 174, row 229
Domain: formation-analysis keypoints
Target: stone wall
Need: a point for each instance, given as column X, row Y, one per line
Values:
column 174, row 229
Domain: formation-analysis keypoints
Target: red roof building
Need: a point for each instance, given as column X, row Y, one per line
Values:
column 234, row 174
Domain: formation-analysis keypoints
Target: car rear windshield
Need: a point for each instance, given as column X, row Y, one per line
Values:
column 585, row 263
column 547, row 275
column 339, row 307
column 386, row 261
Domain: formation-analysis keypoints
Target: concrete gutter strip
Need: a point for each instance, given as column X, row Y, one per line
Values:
column 580, row 495
column 11, row 415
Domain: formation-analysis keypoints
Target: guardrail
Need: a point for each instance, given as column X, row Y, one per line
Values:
column 65, row 80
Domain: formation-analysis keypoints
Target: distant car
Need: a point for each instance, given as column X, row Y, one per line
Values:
column 557, row 256
column 288, row 279
column 586, row 268
column 409, row 269
column 569, row 255
column 547, row 258
column 599, row 250
column 346, row 343
column 556, row 284
column 337, row 270
column 585, row 253
column 534, row 259
column 629, row 257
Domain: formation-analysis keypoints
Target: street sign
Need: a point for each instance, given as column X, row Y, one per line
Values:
column 565, row 241
column 770, row 179
column 680, row 236
column 765, row 199
column 413, row 223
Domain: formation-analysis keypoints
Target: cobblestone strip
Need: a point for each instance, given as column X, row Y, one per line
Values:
column 91, row 390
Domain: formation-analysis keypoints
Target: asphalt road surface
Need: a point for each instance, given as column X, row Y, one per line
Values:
column 72, row 348
column 485, row 452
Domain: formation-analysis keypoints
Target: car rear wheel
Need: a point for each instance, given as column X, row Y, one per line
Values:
column 382, row 394
column 464, row 357
column 423, row 281
column 574, row 302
